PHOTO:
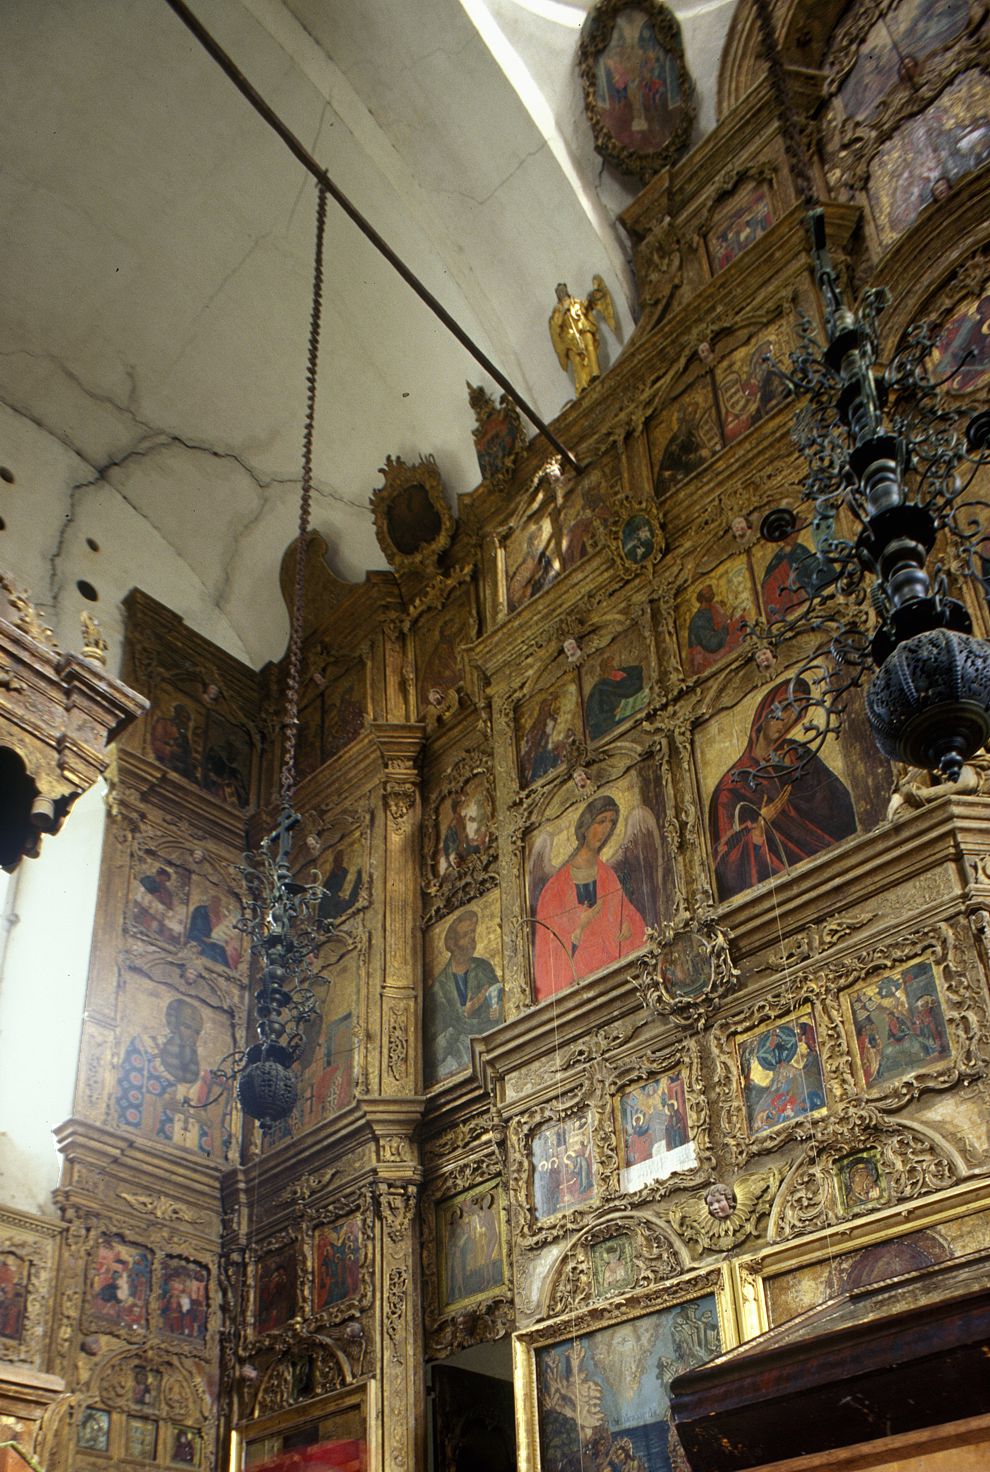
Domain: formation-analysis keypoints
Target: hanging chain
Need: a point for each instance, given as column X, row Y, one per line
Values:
column 790, row 127
column 290, row 722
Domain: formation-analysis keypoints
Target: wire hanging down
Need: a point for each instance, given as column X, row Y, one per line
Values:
column 302, row 153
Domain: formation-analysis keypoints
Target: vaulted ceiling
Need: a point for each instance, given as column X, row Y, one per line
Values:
column 157, row 248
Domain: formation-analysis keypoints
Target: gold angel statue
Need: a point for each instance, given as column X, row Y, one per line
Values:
column 574, row 331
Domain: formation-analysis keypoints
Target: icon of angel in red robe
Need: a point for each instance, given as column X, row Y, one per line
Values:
column 590, row 913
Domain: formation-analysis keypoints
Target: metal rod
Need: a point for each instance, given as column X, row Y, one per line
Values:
column 307, row 160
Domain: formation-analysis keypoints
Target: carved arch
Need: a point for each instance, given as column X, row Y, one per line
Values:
column 913, row 1161
column 803, row 32
column 183, row 1394
column 306, row 1367
column 654, row 1255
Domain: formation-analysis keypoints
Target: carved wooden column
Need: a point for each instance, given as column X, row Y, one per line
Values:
column 395, row 1115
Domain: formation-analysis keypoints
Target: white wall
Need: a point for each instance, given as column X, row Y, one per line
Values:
column 48, row 913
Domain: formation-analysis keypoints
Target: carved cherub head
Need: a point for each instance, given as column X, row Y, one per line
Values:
column 720, row 1200
column 765, row 659
column 741, row 528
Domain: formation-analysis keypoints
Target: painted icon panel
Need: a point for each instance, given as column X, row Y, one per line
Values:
column 780, row 1072
column 533, row 558
column 140, row 1439
column 159, row 900
column 615, row 685
column 328, row 1061
column 93, row 1430
column 470, row 1246
column 584, row 513
column 899, row 1025
column 960, row 361
column 770, row 804
column 563, row 1166
column 464, row 995
column 684, row 435
column 15, row 1272
column 120, row 1284
column 860, row 1183
column 227, row 760
column 893, row 49
column 712, row 616
column 212, row 926
column 613, row 1266
column 791, row 572
column 747, row 387
column 638, row 538
column 276, row 1288
column 182, row 1299
column 595, row 881
column 186, row 1448
column 341, row 870
column 464, row 827
column 165, row 1087
column 654, row 1133
column 146, row 1387
column 336, row 1263
column 603, row 1397
column 740, row 221
column 175, row 728
column 638, row 92
column 929, row 153
column 344, row 705
column 440, row 637
column 548, row 726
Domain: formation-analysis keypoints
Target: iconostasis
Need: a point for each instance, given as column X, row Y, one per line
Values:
column 629, row 1044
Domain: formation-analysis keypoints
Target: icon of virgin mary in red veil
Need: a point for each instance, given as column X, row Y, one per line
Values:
column 777, row 804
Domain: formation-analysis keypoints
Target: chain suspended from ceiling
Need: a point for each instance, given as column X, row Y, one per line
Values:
column 282, row 918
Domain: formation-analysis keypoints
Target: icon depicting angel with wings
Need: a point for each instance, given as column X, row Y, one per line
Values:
column 574, row 331
column 589, row 913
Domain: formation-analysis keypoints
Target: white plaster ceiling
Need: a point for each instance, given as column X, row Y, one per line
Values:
column 156, row 240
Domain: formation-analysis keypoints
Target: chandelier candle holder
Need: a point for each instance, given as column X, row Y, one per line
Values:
column 284, row 928
column 885, row 450
column 282, row 917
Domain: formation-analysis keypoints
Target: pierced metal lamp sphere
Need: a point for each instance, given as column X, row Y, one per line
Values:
column 268, row 1087
column 929, row 704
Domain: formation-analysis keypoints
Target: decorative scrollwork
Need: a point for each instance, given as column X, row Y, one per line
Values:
column 911, row 1162
column 395, row 1304
column 687, row 972
column 396, row 1201
column 611, row 1260
column 309, row 1366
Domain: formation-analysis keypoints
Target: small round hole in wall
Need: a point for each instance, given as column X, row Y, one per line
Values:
column 7, row 475
column 87, row 590
column 92, row 545
column 3, row 525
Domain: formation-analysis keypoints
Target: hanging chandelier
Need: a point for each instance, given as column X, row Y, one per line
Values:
column 890, row 459
column 281, row 917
